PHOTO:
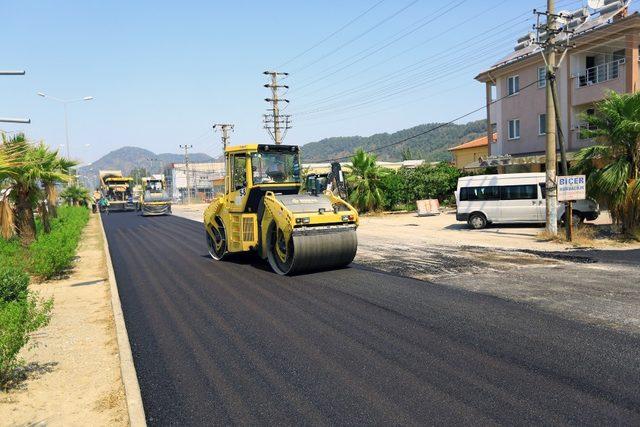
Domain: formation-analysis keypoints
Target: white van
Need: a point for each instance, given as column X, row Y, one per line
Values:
column 511, row 198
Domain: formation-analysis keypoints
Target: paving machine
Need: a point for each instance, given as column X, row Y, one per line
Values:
column 262, row 210
column 333, row 180
column 154, row 199
column 117, row 190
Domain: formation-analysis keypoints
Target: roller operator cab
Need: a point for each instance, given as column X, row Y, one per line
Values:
column 262, row 210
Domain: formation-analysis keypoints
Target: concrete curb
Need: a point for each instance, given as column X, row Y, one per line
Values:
column 127, row 368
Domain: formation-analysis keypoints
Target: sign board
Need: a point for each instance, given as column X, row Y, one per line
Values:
column 428, row 207
column 572, row 188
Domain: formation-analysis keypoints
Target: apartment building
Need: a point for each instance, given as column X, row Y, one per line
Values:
column 603, row 57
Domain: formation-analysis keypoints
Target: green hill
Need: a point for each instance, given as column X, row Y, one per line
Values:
column 431, row 146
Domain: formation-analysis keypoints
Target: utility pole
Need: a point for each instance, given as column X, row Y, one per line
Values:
column 11, row 119
column 554, row 135
column 224, row 127
column 547, row 41
column 275, row 122
column 552, row 162
column 186, row 168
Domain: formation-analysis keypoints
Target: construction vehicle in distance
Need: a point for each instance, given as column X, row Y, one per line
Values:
column 263, row 211
column 117, row 190
column 333, row 181
column 154, row 199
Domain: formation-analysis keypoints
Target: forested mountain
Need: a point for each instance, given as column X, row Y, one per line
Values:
column 431, row 146
column 127, row 159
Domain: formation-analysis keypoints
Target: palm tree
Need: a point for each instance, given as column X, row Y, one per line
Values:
column 7, row 162
column 62, row 166
column 33, row 164
column 365, row 182
column 75, row 195
column 612, row 165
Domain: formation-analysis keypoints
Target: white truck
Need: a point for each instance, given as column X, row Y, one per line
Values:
column 511, row 198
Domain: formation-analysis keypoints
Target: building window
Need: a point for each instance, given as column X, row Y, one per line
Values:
column 542, row 124
column 542, row 77
column 514, row 129
column 513, row 85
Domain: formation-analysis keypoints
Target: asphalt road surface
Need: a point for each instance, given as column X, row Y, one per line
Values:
column 232, row 342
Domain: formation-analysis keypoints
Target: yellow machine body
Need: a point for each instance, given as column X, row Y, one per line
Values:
column 154, row 199
column 117, row 189
column 262, row 210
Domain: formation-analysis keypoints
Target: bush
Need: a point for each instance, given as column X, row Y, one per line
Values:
column 405, row 186
column 18, row 319
column 11, row 253
column 13, row 284
column 54, row 253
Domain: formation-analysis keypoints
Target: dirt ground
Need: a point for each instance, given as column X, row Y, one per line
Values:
column 73, row 375
column 599, row 286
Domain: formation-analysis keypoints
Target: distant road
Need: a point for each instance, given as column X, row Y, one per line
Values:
column 231, row 342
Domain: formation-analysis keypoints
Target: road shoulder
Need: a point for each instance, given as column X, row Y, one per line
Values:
column 73, row 375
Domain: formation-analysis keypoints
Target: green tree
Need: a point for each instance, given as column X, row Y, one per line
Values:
column 32, row 165
column 365, row 180
column 612, row 165
column 75, row 195
column 50, row 186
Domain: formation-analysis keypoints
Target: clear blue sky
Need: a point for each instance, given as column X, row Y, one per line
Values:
column 162, row 72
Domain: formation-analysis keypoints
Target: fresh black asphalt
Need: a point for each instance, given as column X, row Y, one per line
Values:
column 233, row 343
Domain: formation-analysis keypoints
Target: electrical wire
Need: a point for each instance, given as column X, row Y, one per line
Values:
column 441, row 125
column 330, row 35
column 343, row 45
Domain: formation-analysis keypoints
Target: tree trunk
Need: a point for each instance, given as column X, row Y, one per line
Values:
column 44, row 216
column 25, row 221
column 52, row 198
column 6, row 219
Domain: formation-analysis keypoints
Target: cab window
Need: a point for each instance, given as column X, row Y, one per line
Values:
column 239, row 172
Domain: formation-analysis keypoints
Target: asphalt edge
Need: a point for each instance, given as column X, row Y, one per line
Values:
column 127, row 368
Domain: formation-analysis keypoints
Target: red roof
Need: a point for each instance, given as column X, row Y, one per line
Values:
column 480, row 142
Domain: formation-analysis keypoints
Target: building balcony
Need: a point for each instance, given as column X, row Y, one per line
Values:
column 591, row 85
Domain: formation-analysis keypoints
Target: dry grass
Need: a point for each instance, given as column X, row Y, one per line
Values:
column 583, row 236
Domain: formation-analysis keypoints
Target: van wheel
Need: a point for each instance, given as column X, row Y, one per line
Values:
column 477, row 221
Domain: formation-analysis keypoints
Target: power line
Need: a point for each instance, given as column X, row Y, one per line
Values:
column 408, row 83
column 328, row 73
column 331, row 35
column 343, row 45
column 439, row 13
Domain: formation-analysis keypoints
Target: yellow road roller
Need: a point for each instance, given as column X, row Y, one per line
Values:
column 154, row 199
column 263, row 210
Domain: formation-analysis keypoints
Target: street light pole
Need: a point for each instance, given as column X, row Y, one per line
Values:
column 65, row 102
column 66, row 129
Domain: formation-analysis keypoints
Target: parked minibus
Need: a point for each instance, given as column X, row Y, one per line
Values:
column 511, row 198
